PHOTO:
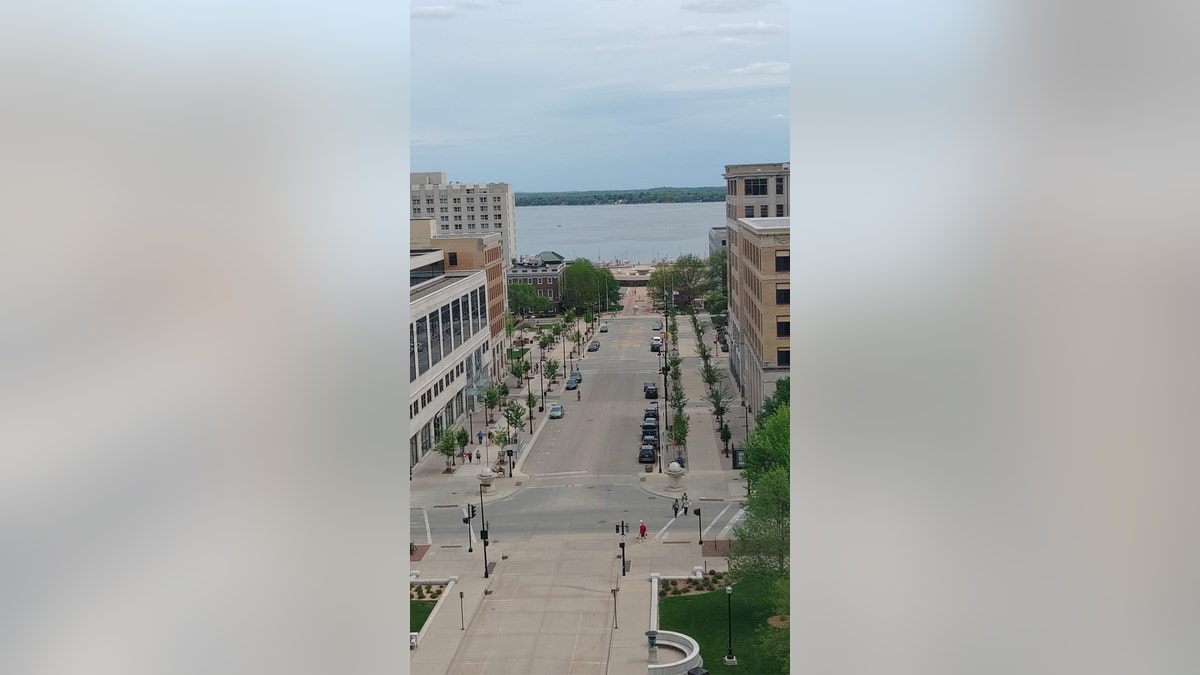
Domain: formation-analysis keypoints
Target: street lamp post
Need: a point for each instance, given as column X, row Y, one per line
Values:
column 622, row 529
column 483, row 533
column 730, row 659
column 699, row 527
column 510, row 462
column 542, row 382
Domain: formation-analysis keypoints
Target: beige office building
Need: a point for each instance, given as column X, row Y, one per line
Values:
column 757, row 191
column 470, row 252
column 467, row 208
column 760, row 325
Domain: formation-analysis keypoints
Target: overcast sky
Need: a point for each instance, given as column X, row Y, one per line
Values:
column 592, row 94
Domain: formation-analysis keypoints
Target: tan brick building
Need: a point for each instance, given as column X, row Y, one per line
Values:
column 467, row 208
column 759, row 305
column 470, row 252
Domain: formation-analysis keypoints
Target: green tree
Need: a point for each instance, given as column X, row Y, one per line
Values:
column 577, row 338
column 531, row 400
column 677, row 398
column 519, row 369
column 711, row 375
column 610, row 291
column 580, row 283
column 726, row 436
column 463, row 438
column 717, row 271
column 678, row 432
column 492, row 397
column 551, row 371
column 719, row 399
column 514, row 414
column 781, row 397
column 523, row 299
column 447, row 445
column 660, row 284
column 768, row 447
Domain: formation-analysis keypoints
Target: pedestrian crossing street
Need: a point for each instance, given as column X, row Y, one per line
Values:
column 686, row 527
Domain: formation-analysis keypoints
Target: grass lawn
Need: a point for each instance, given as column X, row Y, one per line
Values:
column 418, row 611
column 705, row 618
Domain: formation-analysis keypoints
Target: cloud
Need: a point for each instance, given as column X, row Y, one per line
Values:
column 695, row 68
column 726, row 6
column 763, row 68
column 614, row 48
column 757, row 27
column 779, row 116
column 433, row 12
column 738, row 42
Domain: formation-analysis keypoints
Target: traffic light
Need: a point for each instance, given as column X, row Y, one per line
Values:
column 472, row 510
column 697, row 511
column 466, row 520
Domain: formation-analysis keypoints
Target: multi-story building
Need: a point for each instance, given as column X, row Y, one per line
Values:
column 467, row 208
column 717, row 238
column 757, row 191
column 481, row 251
column 760, row 325
column 449, row 343
column 544, row 272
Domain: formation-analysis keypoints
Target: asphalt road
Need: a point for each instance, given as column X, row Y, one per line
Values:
column 583, row 467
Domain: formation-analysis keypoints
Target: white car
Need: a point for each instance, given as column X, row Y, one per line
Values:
column 656, row 340
column 556, row 411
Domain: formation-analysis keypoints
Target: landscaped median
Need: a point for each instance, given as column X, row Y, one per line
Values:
column 425, row 596
column 686, row 606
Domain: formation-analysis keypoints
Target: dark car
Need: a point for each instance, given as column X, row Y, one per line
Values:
column 594, row 347
column 576, row 375
column 652, row 392
column 656, row 347
column 652, row 412
column 572, row 384
column 650, row 439
column 646, row 454
column 724, row 346
column 604, row 328
column 648, row 384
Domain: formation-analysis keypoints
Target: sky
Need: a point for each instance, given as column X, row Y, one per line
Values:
column 598, row 94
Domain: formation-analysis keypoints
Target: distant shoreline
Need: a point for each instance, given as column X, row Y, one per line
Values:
column 620, row 197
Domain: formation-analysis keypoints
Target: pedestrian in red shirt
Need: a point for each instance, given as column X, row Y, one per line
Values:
column 642, row 530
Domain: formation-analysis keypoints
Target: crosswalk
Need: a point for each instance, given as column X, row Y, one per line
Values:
column 685, row 527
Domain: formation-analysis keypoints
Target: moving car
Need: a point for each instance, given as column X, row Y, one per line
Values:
column 604, row 328
column 646, row 454
column 556, row 411
column 594, row 346
column 652, row 391
column 572, row 384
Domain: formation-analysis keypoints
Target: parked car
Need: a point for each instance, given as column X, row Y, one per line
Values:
column 652, row 412
column 652, row 391
column 650, row 427
column 576, row 375
column 650, row 439
column 556, row 411
column 594, row 346
column 658, row 325
column 656, row 347
column 646, row 454
column 647, row 385
column 656, row 340
column 572, row 384
column 604, row 328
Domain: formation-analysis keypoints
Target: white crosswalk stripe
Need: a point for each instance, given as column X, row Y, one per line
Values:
column 732, row 524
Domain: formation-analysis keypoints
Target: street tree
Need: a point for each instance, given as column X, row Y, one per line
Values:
column 577, row 338
column 463, row 438
column 544, row 340
column 447, row 445
column 660, row 284
column 711, row 375
column 519, row 369
column 717, row 271
column 726, row 436
column 531, row 400
column 551, row 371
column 492, row 397
column 719, row 399
column 762, row 543
column 677, row 398
column 768, row 447
column 678, row 432
column 524, row 300
column 514, row 414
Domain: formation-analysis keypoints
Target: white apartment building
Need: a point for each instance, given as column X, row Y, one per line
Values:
column 467, row 208
column 448, row 345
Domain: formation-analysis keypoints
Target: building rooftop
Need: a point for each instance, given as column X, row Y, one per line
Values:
column 780, row 223
column 438, row 283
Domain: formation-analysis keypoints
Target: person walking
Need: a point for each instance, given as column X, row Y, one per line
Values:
column 471, row 457
column 578, row 395
column 480, row 435
column 642, row 530
column 675, row 508
column 686, row 506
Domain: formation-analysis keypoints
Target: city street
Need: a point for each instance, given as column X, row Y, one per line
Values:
column 553, row 550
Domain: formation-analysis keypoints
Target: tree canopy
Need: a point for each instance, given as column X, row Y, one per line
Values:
column 523, row 299
column 583, row 285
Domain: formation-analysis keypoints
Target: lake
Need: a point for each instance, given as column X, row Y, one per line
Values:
column 633, row 232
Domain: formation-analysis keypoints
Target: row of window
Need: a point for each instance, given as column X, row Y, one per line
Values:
column 756, row 187
column 467, row 367
column 443, row 330
column 470, row 226
column 457, row 200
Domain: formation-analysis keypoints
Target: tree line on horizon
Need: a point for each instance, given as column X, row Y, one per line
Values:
column 659, row 195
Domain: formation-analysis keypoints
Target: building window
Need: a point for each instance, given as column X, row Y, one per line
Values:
column 470, row 200
column 470, row 191
column 762, row 211
column 783, row 328
column 750, row 211
column 483, row 217
column 497, row 216
column 779, row 210
column 783, row 295
column 733, row 187
column 756, row 187
column 458, row 200
column 428, row 201
column 470, row 217
column 783, row 357
column 783, row 261
column 457, row 218
column 496, row 208
column 495, row 199
column 457, row 226
column 484, row 226
column 779, row 185
column 417, row 211
column 471, row 209
column 416, row 201
column 443, row 209
column 441, row 200
column 453, row 258
column 445, row 226
column 444, row 219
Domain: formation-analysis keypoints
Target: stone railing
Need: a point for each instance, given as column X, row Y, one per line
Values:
column 414, row 638
column 678, row 641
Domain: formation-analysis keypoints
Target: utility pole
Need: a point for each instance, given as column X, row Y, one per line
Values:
column 483, row 532
column 622, row 529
